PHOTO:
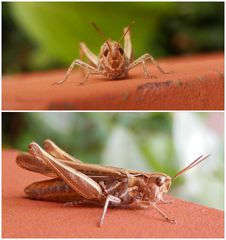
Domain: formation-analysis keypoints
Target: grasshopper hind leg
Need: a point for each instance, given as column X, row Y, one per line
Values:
column 109, row 199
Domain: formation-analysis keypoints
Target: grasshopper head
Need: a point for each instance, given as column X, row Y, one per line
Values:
column 112, row 57
column 158, row 184
column 163, row 182
column 113, row 61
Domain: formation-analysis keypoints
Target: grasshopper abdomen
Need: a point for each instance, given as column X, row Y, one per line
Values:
column 55, row 190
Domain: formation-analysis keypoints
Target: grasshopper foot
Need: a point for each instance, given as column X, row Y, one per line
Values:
column 172, row 221
column 168, row 72
column 82, row 83
column 153, row 76
column 58, row 82
column 166, row 201
column 71, row 204
column 148, row 76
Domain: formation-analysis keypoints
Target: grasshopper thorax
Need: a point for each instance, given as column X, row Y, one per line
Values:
column 113, row 61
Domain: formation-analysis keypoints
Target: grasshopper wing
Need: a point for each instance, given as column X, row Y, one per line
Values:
column 88, row 169
column 79, row 182
column 37, row 164
column 34, row 164
column 57, row 152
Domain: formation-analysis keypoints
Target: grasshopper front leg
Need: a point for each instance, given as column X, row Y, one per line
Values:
column 162, row 213
column 143, row 59
column 145, row 204
column 89, row 69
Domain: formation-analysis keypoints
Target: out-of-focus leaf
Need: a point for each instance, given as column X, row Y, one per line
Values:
column 59, row 27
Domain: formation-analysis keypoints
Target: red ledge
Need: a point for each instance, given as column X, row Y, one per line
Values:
column 196, row 84
column 27, row 218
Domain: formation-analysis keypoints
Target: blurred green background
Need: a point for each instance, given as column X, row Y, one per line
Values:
column 46, row 35
column 164, row 142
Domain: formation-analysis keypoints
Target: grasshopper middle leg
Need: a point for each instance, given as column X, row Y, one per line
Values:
column 142, row 60
column 109, row 199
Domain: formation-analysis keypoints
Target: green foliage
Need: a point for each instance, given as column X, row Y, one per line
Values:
column 57, row 28
column 195, row 27
column 82, row 134
column 16, row 46
column 54, row 29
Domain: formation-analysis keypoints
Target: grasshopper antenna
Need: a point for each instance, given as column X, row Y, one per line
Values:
column 194, row 163
column 101, row 34
column 124, row 34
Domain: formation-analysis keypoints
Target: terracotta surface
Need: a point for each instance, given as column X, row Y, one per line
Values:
column 29, row 218
column 196, row 84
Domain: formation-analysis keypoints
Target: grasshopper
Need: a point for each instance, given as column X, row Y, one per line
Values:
column 113, row 62
column 75, row 182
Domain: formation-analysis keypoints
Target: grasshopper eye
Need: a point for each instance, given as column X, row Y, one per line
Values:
column 159, row 181
column 121, row 51
column 106, row 52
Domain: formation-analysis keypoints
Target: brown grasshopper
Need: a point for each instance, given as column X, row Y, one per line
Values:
column 113, row 62
column 75, row 182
